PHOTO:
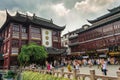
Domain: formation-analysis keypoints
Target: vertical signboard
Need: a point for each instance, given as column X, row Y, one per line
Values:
column 46, row 37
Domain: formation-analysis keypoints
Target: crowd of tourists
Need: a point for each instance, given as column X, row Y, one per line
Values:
column 76, row 64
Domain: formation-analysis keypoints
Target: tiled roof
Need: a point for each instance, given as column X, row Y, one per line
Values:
column 114, row 9
column 33, row 20
column 111, row 12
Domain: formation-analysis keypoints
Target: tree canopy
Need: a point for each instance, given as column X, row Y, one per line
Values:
column 31, row 53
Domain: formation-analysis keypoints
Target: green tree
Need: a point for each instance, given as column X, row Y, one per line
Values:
column 31, row 53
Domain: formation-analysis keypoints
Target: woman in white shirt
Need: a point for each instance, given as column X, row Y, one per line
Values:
column 104, row 68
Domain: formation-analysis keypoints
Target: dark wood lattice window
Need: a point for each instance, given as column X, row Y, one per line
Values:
column 15, row 43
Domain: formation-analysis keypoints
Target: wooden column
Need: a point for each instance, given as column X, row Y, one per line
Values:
column 114, row 34
column 20, row 36
column 4, row 51
column 29, row 34
column 59, row 38
column 10, row 40
column 58, row 43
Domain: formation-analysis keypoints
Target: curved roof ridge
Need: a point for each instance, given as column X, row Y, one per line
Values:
column 7, row 13
column 34, row 16
column 114, row 9
column 43, row 19
column 104, row 16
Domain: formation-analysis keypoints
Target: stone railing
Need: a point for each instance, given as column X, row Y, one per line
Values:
column 76, row 75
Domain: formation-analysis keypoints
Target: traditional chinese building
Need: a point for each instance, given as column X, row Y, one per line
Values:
column 74, row 43
column 69, row 41
column 101, row 38
column 22, row 29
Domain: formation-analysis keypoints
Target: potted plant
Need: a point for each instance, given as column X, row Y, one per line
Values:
column 10, row 75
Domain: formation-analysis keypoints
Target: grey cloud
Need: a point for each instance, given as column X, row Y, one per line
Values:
column 31, row 4
column 93, row 8
column 93, row 5
column 70, row 3
column 74, row 19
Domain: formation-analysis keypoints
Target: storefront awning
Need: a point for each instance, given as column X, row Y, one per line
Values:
column 114, row 53
column 103, row 55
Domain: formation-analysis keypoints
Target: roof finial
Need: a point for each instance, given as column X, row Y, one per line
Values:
column 26, row 16
column 7, row 12
column 33, row 15
column 51, row 20
column 17, row 13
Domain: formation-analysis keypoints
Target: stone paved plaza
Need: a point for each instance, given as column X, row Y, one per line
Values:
column 112, row 69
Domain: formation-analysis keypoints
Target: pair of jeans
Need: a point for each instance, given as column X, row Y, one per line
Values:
column 105, row 71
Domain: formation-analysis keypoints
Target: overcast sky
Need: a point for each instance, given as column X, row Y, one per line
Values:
column 72, row 13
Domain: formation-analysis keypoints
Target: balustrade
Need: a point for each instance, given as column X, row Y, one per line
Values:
column 77, row 76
